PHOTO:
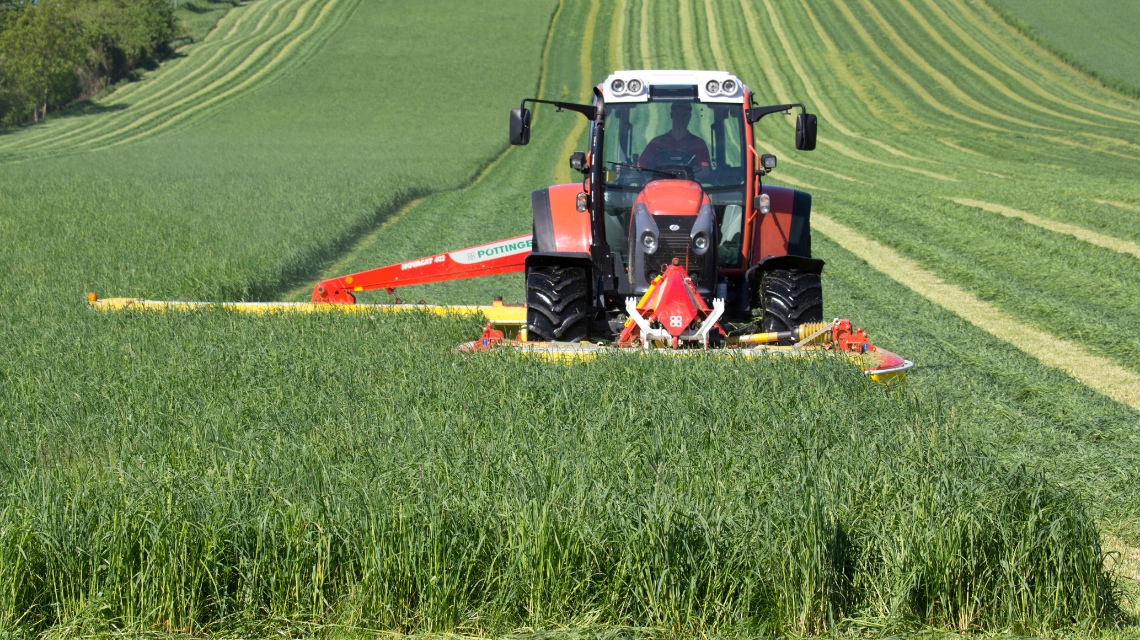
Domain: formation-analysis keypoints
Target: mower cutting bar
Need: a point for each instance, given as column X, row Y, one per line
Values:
column 504, row 256
column 508, row 317
column 878, row 364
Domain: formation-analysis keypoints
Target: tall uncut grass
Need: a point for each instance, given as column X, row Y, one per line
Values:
column 427, row 491
column 215, row 473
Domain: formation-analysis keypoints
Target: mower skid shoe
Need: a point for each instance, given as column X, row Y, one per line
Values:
column 702, row 333
column 648, row 334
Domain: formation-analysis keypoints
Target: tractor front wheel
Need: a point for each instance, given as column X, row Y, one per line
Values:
column 557, row 303
column 790, row 297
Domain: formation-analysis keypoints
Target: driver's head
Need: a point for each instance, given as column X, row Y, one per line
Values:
column 681, row 112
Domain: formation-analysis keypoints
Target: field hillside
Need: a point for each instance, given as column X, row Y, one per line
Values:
column 975, row 199
column 1096, row 37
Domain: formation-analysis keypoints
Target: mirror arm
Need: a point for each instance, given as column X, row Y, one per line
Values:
column 587, row 110
column 755, row 113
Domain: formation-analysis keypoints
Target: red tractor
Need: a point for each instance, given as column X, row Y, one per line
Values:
column 669, row 241
column 672, row 179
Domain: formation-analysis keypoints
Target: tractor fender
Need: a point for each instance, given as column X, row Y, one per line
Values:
column 799, row 263
column 558, row 225
column 786, row 229
column 570, row 259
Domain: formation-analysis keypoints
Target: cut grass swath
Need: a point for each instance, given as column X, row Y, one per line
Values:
column 265, row 36
column 1092, row 237
column 1118, row 383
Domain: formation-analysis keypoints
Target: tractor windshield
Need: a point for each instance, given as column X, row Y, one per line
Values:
column 684, row 138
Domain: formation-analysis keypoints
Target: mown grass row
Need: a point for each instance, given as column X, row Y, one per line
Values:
column 247, row 202
column 253, row 45
column 197, row 18
column 485, row 494
column 865, row 160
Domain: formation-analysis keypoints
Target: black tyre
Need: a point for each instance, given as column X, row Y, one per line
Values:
column 557, row 303
column 789, row 298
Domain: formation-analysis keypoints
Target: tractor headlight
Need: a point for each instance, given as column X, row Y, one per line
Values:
column 703, row 228
column 633, row 86
column 728, row 86
column 617, row 86
column 713, row 86
column 649, row 242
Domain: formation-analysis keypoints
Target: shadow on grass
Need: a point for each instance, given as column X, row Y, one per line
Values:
column 206, row 6
column 85, row 108
column 308, row 270
column 88, row 108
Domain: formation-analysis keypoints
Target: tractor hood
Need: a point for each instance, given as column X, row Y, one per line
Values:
column 672, row 198
column 673, row 220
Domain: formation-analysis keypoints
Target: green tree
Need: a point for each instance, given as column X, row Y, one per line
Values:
column 14, row 101
column 40, row 50
column 119, row 35
column 8, row 9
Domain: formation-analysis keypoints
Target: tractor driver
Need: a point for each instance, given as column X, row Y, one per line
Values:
column 677, row 146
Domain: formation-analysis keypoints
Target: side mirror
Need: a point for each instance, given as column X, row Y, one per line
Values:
column 805, row 131
column 520, row 126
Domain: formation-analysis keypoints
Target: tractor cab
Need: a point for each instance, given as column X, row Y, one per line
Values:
column 670, row 184
column 674, row 163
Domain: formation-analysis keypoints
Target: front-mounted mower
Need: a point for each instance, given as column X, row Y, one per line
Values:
column 671, row 240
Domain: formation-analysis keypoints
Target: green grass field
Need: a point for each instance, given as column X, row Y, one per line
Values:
column 214, row 473
column 196, row 18
column 1097, row 36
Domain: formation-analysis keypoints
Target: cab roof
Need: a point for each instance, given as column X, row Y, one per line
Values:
column 617, row 87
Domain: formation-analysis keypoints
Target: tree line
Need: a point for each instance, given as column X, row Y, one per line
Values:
column 56, row 52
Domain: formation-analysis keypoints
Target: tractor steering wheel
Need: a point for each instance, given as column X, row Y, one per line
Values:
column 681, row 171
column 674, row 161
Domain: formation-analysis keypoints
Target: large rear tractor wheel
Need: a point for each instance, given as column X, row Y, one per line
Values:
column 557, row 303
column 790, row 297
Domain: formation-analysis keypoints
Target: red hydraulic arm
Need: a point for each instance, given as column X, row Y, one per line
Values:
column 504, row 256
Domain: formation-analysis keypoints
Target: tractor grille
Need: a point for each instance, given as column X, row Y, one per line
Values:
column 675, row 244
